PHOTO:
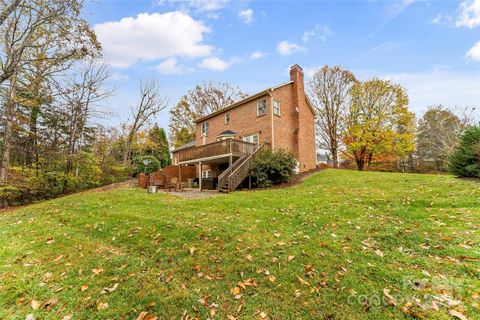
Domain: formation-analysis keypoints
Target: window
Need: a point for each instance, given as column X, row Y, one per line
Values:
column 253, row 138
column 204, row 129
column 276, row 107
column 205, row 174
column 227, row 118
column 261, row 107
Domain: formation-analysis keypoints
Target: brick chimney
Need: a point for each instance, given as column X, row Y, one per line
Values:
column 296, row 75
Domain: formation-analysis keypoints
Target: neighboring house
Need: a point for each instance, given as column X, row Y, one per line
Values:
column 227, row 140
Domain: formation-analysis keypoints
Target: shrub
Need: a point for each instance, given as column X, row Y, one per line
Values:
column 465, row 160
column 9, row 194
column 140, row 167
column 270, row 168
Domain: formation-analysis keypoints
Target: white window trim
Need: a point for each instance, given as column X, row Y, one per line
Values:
column 252, row 135
column 258, row 109
column 279, row 107
column 229, row 118
column 204, row 134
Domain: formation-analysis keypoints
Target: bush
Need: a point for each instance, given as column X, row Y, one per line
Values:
column 9, row 194
column 140, row 167
column 465, row 160
column 270, row 168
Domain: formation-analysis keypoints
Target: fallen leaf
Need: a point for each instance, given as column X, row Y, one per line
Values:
column 290, row 258
column 387, row 294
column 151, row 317
column 302, row 281
column 50, row 303
column 50, row 240
column 110, row 289
column 271, row 278
column 263, row 315
column 102, row 306
column 84, row 287
column 35, row 304
column 97, row 271
column 456, row 314
column 230, row 317
column 378, row 253
column 249, row 257
column 192, row 250
column 30, row 317
column 235, row 291
column 142, row 315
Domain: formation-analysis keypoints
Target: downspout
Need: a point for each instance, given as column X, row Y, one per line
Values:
column 271, row 115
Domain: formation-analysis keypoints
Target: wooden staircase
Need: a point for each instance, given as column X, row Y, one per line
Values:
column 231, row 178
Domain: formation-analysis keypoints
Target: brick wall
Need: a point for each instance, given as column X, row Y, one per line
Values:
column 243, row 121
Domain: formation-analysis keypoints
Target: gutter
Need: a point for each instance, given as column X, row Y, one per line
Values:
column 269, row 91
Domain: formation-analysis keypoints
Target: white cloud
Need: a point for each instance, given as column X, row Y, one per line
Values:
column 257, row 55
column 214, row 64
column 441, row 19
column 117, row 76
column 286, row 48
column 170, row 66
column 150, row 37
column 469, row 14
column 319, row 31
column 246, row 15
column 474, row 53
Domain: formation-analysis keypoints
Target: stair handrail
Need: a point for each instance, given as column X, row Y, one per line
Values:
column 223, row 175
column 241, row 166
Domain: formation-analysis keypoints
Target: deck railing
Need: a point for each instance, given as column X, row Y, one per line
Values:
column 236, row 148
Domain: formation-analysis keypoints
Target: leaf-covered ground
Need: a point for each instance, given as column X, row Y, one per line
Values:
column 341, row 245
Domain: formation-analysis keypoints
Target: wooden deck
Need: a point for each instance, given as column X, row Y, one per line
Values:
column 216, row 150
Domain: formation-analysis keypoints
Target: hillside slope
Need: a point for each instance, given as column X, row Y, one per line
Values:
column 342, row 244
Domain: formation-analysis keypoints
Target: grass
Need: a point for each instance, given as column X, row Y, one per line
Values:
column 341, row 245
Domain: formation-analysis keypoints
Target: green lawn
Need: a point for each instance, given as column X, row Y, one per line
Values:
column 341, row 245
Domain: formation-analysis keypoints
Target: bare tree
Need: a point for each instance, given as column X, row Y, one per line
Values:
column 80, row 95
column 27, row 20
column 151, row 103
column 198, row 102
column 7, row 9
column 329, row 93
column 438, row 132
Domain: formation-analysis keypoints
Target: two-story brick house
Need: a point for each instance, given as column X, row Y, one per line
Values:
column 279, row 117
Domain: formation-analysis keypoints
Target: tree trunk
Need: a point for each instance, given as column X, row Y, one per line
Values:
column 7, row 137
column 369, row 163
column 335, row 157
column 360, row 164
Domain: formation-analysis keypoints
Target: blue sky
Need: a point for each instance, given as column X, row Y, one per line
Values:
column 430, row 47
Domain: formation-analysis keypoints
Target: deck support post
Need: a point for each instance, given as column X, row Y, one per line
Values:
column 200, row 175
column 180, row 173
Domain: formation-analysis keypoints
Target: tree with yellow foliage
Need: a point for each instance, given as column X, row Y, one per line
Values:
column 378, row 123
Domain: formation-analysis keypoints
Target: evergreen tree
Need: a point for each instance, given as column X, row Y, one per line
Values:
column 160, row 149
column 465, row 160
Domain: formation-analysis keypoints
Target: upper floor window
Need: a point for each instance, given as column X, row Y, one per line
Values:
column 261, row 107
column 276, row 107
column 204, row 128
column 227, row 118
